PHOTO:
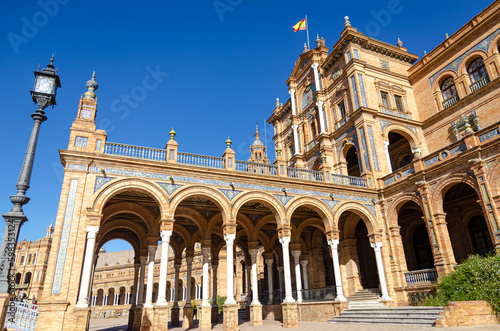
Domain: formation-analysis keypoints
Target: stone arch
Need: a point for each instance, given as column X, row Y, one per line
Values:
column 462, row 68
column 268, row 200
column 494, row 45
column 248, row 227
column 145, row 214
column 324, row 212
column 441, row 77
column 105, row 193
column 395, row 206
column 442, row 186
column 346, row 144
column 192, row 215
column 361, row 211
column 212, row 194
column 136, row 242
column 406, row 132
column 494, row 176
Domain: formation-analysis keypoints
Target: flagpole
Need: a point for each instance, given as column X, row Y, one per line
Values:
column 307, row 30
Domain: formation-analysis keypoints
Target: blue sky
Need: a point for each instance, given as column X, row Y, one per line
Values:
column 222, row 63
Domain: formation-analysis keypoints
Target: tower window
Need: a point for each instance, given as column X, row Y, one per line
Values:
column 399, row 103
column 342, row 109
column 477, row 70
column 384, row 96
column 448, row 88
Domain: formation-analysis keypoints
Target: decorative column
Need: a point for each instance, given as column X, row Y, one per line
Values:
column 151, row 271
column 315, row 66
column 292, row 99
column 187, row 320
column 321, row 113
column 380, row 267
column 386, row 147
column 295, row 138
column 215, row 307
column 298, row 280
column 255, row 307
column 280, row 277
column 304, row 263
column 162, row 286
column 175, row 307
column 269, row 263
column 141, row 281
column 230, row 307
column 205, row 308
column 136, row 280
column 249, row 282
column 289, row 306
column 83, row 299
column 334, row 244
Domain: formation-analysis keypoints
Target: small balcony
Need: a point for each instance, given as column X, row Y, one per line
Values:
column 480, row 83
column 450, row 102
column 423, row 276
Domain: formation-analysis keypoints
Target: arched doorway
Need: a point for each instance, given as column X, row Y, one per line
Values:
column 480, row 236
column 352, row 162
column 400, row 153
column 366, row 255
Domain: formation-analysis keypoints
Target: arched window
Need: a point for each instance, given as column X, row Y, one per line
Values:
column 477, row 70
column 448, row 88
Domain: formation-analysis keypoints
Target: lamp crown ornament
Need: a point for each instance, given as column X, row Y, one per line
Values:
column 347, row 23
column 172, row 134
column 92, row 86
column 228, row 143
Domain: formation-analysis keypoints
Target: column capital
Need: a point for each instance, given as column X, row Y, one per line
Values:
column 167, row 225
column 269, row 262
column 152, row 250
column 376, row 246
column 315, row 65
column 165, row 235
column 229, row 238
column 177, row 267
column 284, row 240
column 280, row 269
column 92, row 231
column 320, row 104
column 144, row 259
column 304, row 263
column 253, row 253
column 334, row 243
column 189, row 260
column 296, row 254
column 206, row 251
column 292, row 92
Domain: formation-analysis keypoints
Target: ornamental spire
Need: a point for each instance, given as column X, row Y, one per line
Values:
column 92, row 86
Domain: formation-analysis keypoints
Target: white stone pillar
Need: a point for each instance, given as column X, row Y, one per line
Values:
column 206, row 255
column 104, row 300
column 184, row 293
column 285, row 242
column 295, row 138
column 321, row 114
column 214, row 284
column 177, row 268
column 255, row 285
column 334, row 244
column 229, row 238
column 140, row 298
column 162, row 286
column 269, row 263
column 292, row 99
column 189, row 261
column 380, row 267
column 117, row 297
column 386, row 144
column 280, row 277
column 317, row 82
column 249, row 283
column 304, row 273
column 151, row 271
column 298, row 280
column 136, row 281
column 83, row 299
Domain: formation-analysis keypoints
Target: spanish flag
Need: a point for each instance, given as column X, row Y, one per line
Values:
column 299, row 26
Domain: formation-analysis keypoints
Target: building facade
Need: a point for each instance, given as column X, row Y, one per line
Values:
column 386, row 176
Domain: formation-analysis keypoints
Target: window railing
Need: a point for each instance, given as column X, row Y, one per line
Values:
column 349, row 180
column 421, row 276
column 21, row 315
column 137, row 152
column 480, row 83
column 305, row 174
column 200, row 160
column 258, row 168
column 451, row 101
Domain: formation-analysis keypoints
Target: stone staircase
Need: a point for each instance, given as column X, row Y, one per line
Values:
column 365, row 308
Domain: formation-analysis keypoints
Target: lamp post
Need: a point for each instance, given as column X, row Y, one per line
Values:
column 44, row 94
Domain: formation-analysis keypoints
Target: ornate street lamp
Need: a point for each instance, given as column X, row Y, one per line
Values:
column 43, row 94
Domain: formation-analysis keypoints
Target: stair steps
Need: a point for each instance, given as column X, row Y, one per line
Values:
column 421, row 316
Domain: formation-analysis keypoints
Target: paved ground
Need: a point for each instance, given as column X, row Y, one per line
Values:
column 120, row 324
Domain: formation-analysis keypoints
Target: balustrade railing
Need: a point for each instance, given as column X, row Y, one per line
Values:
column 421, row 276
column 319, row 294
column 21, row 315
column 305, row 174
column 137, row 152
column 200, row 160
column 480, row 83
column 451, row 101
column 349, row 180
column 257, row 168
